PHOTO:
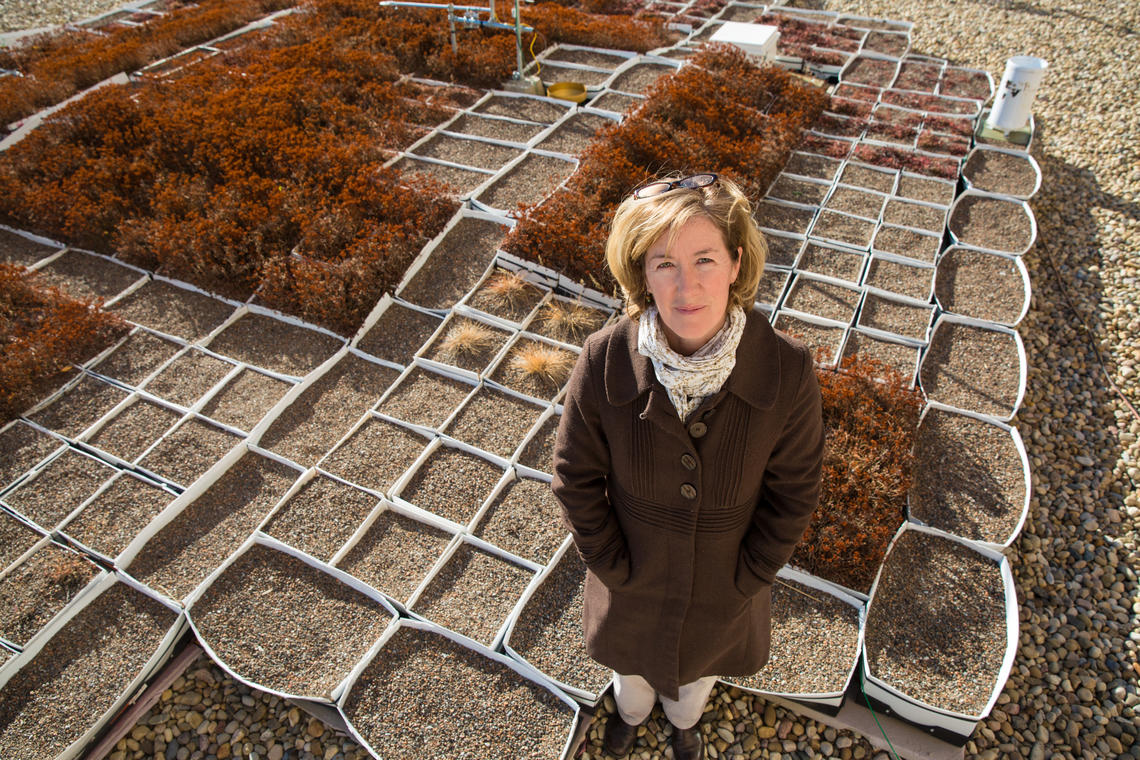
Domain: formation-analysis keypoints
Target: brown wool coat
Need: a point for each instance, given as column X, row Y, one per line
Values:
column 683, row 526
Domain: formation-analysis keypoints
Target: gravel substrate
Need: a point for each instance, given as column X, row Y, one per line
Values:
column 912, row 244
column 849, row 230
column 395, row 554
column 245, row 399
column 972, row 368
column 823, row 299
column 548, row 633
column 777, row 216
column 423, row 695
column 815, row 640
column 473, row 593
column 496, row 129
column 573, row 135
column 823, row 340
column 928, row 189
column 593, row 58
column 528, row 181
column 858, row 202
column 901, row 358
column 424, row 398
column 916, row 215
column 813, row 165
column 538, row 453
column 897, row 277
column 995, row 224
column 133, row 430
column 86, row 276
column 188, row 451
column 316, row 420
column 21, row 448
column 398, row 333
column 115, row 517
column 529, row 109
column 376, row 455
column 494, row 421
column 274, row 345
column 860, row 175
column 551, row 74
column 462, row 182
column 980, row 285
column 905, row 319
column 452, row 484
column 79, row 406
column 968, row 478
column 187, row 378
column 65, row 483
column 310, row 628
column 77, row 676
column 640, row 76
column 999, row 172
column 176, row 311
column 936, row 623
column 42, row 585
column 477, row 153
column 189, row 547
column 15, row 539
column 17, row 249
column 789, row 188
column 524, row 519
column 455, row 265
column 616, row 102
column 320, row 517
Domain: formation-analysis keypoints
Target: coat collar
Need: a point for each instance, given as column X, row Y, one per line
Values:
column 755, row 379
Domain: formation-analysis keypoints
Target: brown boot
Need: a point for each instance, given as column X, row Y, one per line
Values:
column 620, row 737
column 687, row 744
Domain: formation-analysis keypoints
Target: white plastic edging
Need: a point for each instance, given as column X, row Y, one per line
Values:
column 30, row 478
column 877, row 256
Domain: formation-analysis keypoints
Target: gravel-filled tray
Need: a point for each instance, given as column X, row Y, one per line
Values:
column 936, row 624
column 494, row 421
column 969, row 477
column 910, row 320
column 814, row 642
column 919, row 216
column 38, row 588
column 133, row 429
column 309, row 627
column 981, row 285
column 188, row 451
column 21, row 448
column 496, row 129
column 314, row 421
column 245, row 399
column 996, row 224
column 467, row 343
column 452, row 484
column 567, row 321
column 395, row 554
column 398, row 333
column 76, row 408
column 454, row 266
column 86, row 276
column 784, row 216
column 188, row 377
column 528, row 109
column 789, row 188
column 423, row 397
column 972, row 368
column 186, row 314
column 897, row 277
column 573, row 135
column 57, row 489
column 913, row 244
column 424, row 695
column 869, row 177
column 616, row 102
column 823, row 340
column 528, row 181
column 320, row 516
column 189, row 547
column 901, row 358
column 840, row 263
column 813, row 165
column 110, row 521
column 460, row 181
column 928, row 189
column 80, row 673
column 783, row 249
column 535, row 368
column 640, row 76
column 524, row 519
column 506, row 294
column 596, row 58
column 850, row 200
column 375, row 455
column 548, row 631
column 822, row 298
column 473, row 593
column 17, row 249
column 539, row 450
column 477, row 153
column 1002, row 172
column 274, row 344
column 844, row 228
column 772, row 284
column 551, row 73
column 16, row 538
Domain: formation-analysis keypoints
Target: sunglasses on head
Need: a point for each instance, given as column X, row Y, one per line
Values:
column 657, row 187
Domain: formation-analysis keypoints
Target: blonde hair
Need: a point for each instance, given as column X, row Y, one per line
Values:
column 639, row 222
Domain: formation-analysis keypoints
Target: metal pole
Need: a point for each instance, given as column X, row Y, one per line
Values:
column 518, row 40
column 451, row 22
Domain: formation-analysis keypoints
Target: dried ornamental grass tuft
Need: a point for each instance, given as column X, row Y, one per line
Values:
column 567, row 321
column 536, row 368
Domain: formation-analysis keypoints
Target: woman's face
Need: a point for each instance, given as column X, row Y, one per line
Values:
column 689, row 279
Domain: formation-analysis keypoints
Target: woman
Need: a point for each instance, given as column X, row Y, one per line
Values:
column 687, row 459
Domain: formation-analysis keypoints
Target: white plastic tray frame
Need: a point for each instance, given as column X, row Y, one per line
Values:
column 556, row 398
column 235, row 368
column 536, row 141
column 832, row 699
column 138, row 285
column 513, row 475
column 537, row 67
column 785, row 277
column 847, row 250
column 911, row 376
column 467, row 539
column 36, row 239
column 825, row 131
column 821, row 322
column 897, row 298
column 952, row 186
column 923, row 60
column 815, row 235
column 506, row 94
column 539, row 409
column 417, row 263
column 31, row 476
column 512, row 265
column 135, row 397
column 950, row 67
column 922, row 713
column 556, row 297
column 872, row 55
column 433, row 368
column 64, row 390
column 905, row 35
column 92, row 364
column 528, row 673
column 792, row 205
column 163, row 653
column 971, row 107
column 559, row 282
column 1018, row 263
column 61, row 443
column 260, row 539
column 578, row 693
column 90, row 551
column 910, row 201
column 197, row 409
column 857, row 164
column 446, row 126
column 546, row 55
column 187, row 497
column 421, row 513
column 509, row 167
column 141, row 274
column 462, row 197
column 386, row 302
column 948, row 318
column 983, row 148
column 877, row 255
column 884, row 197
column 426, row 433
column 1027, row 478
column 802, row 276
column 883, row 253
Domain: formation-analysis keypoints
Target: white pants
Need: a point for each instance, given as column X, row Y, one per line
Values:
column 635, row 698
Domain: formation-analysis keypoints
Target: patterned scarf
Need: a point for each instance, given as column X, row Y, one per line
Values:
column 690, row 379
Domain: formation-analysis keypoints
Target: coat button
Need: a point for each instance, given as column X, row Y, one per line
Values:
column 688, row 461
column 688, row 491
column 698, row 429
